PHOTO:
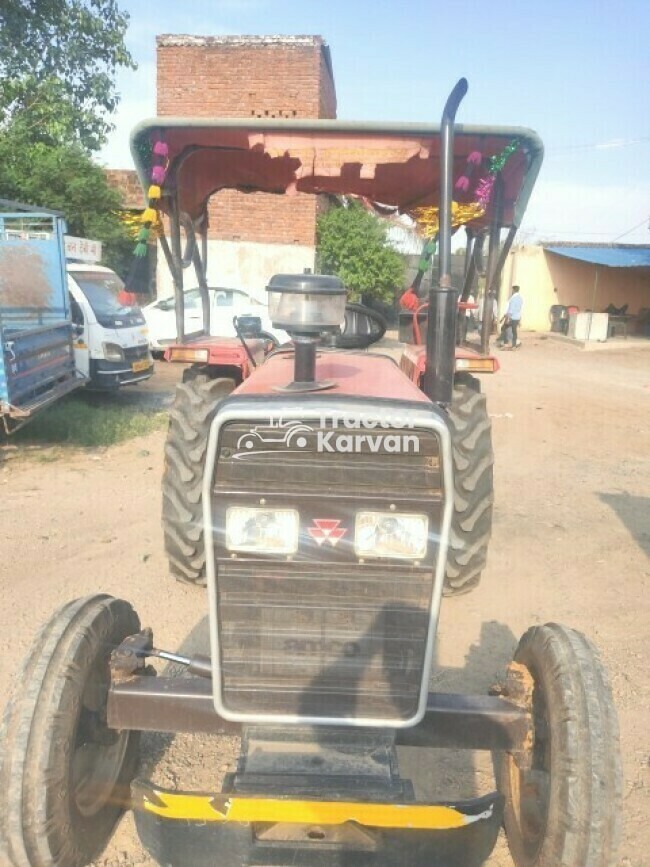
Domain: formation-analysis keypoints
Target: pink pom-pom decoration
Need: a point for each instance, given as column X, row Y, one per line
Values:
column 158, row 174
column 462, row 183
column 484, row 190
column 160, row 149
column 475, row 158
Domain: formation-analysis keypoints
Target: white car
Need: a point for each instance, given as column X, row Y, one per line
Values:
column 224, row 305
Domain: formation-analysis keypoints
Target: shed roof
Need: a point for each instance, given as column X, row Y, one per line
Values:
column 610, row 255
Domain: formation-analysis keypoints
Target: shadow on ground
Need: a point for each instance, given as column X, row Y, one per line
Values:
column 634, row 513
column 156, row 393
column 448, row 773
column 435, row 773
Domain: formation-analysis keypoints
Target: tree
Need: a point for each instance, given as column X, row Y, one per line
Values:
column 352, row 243
column 58, row 60
column 64, row 178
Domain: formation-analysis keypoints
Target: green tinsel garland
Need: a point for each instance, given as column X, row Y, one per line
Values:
column 498, row 161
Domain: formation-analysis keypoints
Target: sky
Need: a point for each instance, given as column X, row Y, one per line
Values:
column 577, row 72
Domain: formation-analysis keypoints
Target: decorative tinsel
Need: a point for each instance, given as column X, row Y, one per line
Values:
column 149, row 215
column 473, row 160
column 483, row 192
column 133, row 223
column 485, row 186
column 498, row 161
column 150, row 219
column 158, row 174
column 427, row 218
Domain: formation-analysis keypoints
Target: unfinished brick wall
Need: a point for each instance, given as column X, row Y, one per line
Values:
column 250, row 76
column 127, row 184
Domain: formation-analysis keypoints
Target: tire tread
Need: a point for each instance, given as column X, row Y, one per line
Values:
column 473, row 458
column 194, row 406
column 32, row 761
column 584, row 820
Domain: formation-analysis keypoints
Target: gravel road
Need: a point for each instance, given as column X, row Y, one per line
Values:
column 571, row 543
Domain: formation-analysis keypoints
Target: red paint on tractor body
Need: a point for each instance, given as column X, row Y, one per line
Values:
column 356, row 375
column 414, row 361
column 223, row 352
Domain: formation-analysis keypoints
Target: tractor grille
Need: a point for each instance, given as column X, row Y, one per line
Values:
column 321, row 633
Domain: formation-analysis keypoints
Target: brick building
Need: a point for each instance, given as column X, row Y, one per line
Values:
column 127, row 184
column 252, row 236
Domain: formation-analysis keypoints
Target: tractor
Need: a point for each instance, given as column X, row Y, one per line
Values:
column 328, row 499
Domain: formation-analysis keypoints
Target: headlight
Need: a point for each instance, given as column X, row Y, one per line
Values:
column 263, row 531
column 391, row 535
column 113, row 352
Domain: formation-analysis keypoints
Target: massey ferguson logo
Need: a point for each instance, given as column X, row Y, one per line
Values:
column 326, row 530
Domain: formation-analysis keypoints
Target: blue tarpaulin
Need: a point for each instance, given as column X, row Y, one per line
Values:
column 612, row 257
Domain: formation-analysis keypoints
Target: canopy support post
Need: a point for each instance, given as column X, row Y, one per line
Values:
column 493, row 268
column 505, row 249
column 470, row 272
column 470, row 264
column 177, row 270
column 200, row 261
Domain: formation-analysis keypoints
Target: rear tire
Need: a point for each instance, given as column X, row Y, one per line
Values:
column 64, row 775
column 471, row 524
column 195, row 404
column 566, row 810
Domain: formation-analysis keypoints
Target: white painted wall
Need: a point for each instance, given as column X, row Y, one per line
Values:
column 241, row 265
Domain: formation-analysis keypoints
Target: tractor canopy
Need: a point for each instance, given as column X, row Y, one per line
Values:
column 393, row 167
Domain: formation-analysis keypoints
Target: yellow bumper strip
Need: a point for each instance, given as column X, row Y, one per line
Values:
column 223, row 808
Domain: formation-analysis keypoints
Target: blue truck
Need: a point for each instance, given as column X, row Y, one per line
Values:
column 37, row 363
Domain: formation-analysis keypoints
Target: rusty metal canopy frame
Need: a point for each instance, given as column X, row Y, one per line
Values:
column 394, row 165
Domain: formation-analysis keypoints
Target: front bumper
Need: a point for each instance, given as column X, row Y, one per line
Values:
column 106, row 375
column 206, row 830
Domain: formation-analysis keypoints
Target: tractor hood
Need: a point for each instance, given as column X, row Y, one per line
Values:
column 394, row 167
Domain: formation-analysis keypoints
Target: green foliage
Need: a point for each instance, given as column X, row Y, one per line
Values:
column 89, row 420
column 64, row 178
column 58, row 60
column 351, row 243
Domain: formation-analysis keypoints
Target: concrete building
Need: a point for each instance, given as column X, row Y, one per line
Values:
column 252, row 235
column 588, row 276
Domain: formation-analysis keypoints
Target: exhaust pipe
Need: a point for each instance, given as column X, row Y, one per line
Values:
column 443, row 300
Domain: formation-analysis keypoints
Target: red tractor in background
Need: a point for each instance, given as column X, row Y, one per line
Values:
column 329, row 499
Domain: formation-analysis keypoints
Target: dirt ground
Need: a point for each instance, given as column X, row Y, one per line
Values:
column 571, row 543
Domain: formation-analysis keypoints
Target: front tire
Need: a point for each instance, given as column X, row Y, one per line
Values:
column 195, row 403
column 563, row 808
column 64, row 775
column 471, row 524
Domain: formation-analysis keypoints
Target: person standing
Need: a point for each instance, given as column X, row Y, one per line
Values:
column 512, row 319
